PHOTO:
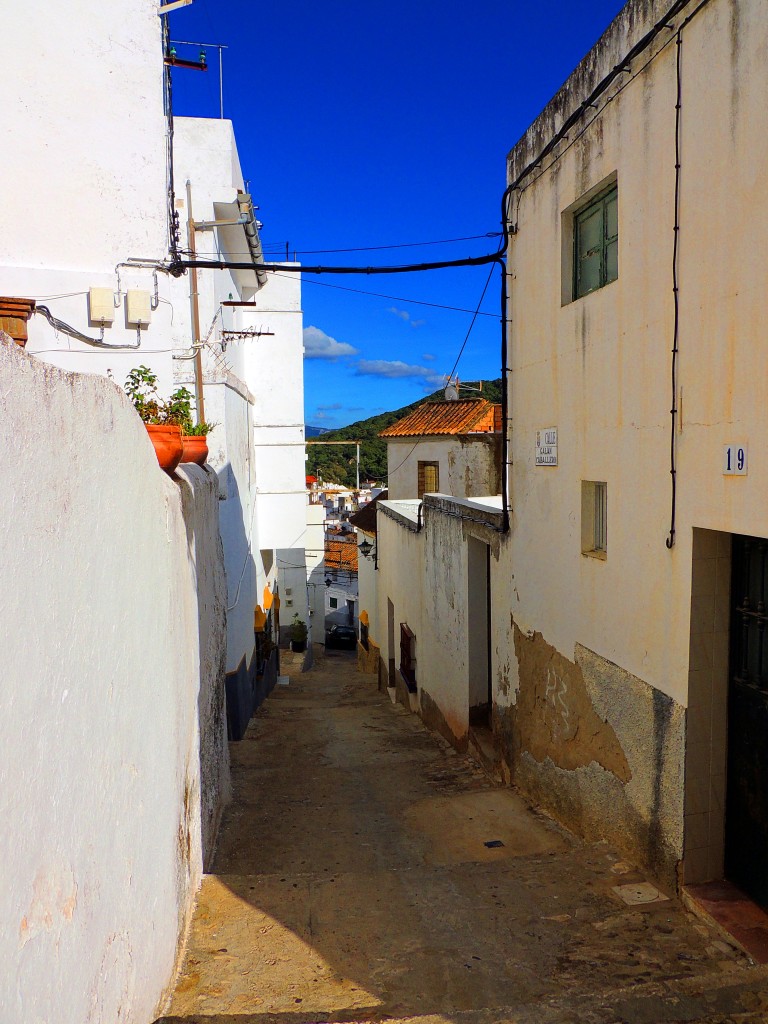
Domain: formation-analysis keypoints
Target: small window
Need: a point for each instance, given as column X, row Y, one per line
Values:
column 334, row 602
column 596, row 243
column 429, row 478
column 408, row 656
column 594, row 518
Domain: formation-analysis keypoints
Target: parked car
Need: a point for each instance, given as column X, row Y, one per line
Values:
column 338, row 635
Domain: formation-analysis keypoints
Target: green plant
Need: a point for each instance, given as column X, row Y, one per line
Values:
column 199, row 429
column 141, row 387
column 178, row 410
column 298, row 629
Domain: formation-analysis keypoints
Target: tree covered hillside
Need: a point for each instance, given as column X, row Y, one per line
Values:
column 337, row 465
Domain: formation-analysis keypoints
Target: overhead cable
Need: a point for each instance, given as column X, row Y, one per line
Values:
column 393, row 298
column 176, row 267
column 371, row 248
column 472, row 323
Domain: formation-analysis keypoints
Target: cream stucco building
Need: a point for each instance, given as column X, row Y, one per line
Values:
column 622, row 623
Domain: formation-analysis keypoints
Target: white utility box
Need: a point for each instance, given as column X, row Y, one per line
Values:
column 138, row 306
column 101, row 305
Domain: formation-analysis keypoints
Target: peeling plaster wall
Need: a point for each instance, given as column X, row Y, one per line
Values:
column 598, row 369
column 599, row 748
column 111, row 585
column 468, row 465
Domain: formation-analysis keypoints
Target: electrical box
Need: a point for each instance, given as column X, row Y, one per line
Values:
column 138, row 306
column 101, row 305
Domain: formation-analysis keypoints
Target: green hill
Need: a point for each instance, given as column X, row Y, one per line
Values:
column 337, row 465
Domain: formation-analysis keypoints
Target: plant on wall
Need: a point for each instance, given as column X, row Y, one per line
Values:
column 298, row 633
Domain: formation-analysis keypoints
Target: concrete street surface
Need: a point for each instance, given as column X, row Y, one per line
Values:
column 353, row 882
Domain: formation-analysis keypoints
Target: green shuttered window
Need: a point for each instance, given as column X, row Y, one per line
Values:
column 596, row 243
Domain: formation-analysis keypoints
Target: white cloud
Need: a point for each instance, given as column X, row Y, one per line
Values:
column 333, row 405
column 319, row 345
column 402, row 313
column 428, row 356
column 405, row 315
column 395, row 368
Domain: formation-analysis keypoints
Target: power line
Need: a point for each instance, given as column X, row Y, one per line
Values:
column 274, row 247
column 393, row 298
column 472, row 324
column 177, row 266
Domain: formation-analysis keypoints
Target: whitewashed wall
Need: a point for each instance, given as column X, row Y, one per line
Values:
column 82, row 86
column 367, row 580
column 314, row 546
column 104, row 561
column 401, row 580
column 274, row 370
column 266, row 369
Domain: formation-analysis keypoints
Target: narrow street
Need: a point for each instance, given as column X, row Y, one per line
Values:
column 353, row 882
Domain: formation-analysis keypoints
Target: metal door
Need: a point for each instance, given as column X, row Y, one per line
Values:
column 746, row 810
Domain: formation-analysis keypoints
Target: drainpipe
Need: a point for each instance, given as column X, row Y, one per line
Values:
column 194, row 300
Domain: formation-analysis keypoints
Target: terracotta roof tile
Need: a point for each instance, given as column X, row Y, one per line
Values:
column 466, row 416
column 341, row 554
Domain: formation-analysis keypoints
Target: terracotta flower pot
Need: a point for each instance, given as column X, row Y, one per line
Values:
column 195, row 449
column 168, row 444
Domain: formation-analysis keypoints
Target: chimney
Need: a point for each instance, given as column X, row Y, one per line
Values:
column 14, row 314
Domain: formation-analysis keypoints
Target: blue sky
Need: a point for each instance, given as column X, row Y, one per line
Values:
column 383, row 124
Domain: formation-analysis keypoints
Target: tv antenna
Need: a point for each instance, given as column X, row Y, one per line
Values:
column 452, row 389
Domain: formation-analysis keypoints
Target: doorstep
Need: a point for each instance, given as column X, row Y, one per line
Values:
column 733, row 913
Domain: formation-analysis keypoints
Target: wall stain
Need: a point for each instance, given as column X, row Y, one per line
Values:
column 554, row 716
column 449, row 727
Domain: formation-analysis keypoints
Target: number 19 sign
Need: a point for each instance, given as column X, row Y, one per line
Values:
column 735, row 460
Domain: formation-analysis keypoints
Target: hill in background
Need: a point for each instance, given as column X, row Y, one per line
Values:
column 337, row 465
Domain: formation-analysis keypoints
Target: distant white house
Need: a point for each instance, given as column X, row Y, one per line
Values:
column 447, row 447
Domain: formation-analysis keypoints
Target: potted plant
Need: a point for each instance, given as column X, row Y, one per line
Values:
column 298, row 634
column 195, row 438
column 162, row 419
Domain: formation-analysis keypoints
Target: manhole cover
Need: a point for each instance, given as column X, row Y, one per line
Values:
column 636, row 893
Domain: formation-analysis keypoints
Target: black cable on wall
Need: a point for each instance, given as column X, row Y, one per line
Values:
column 676, row 289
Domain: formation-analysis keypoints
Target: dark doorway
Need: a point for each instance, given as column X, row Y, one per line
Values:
column 746, row 808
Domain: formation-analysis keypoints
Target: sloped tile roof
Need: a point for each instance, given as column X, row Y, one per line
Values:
column 365, row 519
column 440, row 418
column 341, row 554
